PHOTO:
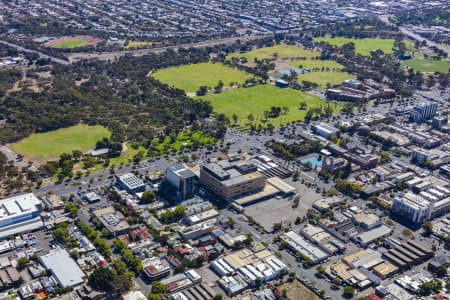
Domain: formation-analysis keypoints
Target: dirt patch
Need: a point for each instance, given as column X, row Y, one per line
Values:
column 297, row 291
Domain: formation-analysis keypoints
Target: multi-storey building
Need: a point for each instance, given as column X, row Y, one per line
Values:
column 229, row 180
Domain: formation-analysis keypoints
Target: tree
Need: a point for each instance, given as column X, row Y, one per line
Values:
column 102, row 279
column 218, row 297
column 337, row 281
column 202, row 91
column 296, row 175
column 250, row 117
column 72, row 209
column 22, row 262
column 385, row 157
column 349, row 291
column 428, row 228
column 276, row 227
column 147, row 197
column 320, row 269
column 122, row 283
column 406, row 232
column 159, row 288
column 442, row 271
column 154, row 297
column 258, row 281
column 235, row 118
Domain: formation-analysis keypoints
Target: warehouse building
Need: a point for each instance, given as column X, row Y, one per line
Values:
column 298, row 244
column 19, row 214
column 63, row 268
column 368, row 237
column 408, row 254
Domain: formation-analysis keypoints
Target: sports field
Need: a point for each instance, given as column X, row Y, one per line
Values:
column 282, row 51
column 256, row 100
column 322, row 78
column 71, row 42
column 317, row 64
column 428, row 65
column 49, row 145
column 135, row 44
column 191, row 77
column 364, row 46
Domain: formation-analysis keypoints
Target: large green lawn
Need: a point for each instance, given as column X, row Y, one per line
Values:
column 427, row 65
column 322, row 78
column 256, row 100
column 70, row 44
column 364, row 46
column 317, row 64
column 283, row 51
column 49, row 145
column 191, row 77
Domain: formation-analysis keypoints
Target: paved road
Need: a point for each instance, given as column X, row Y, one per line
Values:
column 415, row 36
column 42, row 55
column 21, row 163
column 140, row 52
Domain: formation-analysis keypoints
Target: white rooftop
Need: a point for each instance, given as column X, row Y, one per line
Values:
column 63, row 268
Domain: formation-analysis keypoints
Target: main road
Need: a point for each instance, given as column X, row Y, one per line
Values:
column 415, row 36
column 74, row 57
column 42, row 55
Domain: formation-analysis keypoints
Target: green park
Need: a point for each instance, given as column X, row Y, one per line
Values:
column 280, row 51
column 190, row 77
column 49, row 145
column 364, row 46
column 259, row 99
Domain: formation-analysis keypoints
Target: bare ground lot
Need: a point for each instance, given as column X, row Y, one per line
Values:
column 297, row 291
column 275, row 210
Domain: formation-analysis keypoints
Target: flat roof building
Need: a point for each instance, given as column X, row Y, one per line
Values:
column 299, row 244
column 182, row 180
column 131, row 183
column 371, row 236
column 231, row 179
column 112, row 220
column 19, row 214
column 63, row 268
column 156, row 268
column 325, row 130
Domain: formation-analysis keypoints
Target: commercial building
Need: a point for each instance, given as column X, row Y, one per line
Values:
column 19, row 214
column 408, row 254
column 231, row 179
column 439, row 121
column 113, row 220
column 325, row 130
column 182, row 180
column 367, row 221
column 368, row 237
column 321, row 238
column 156, row 268
column 423, row 111
column 131, row 183
column 412, row 206
column 436, row 157
column 63, row 268
column 298, row 244
column 249, row 265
